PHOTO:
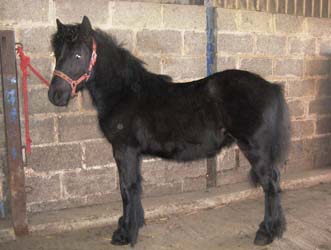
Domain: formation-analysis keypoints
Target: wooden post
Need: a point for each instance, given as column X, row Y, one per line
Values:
column 13, row 132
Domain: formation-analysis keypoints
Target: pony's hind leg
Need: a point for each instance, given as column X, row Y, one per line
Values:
column 268, row 176
column 128, row 164
column 274, row 223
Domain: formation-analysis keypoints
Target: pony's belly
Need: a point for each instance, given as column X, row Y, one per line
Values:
column 189, row 151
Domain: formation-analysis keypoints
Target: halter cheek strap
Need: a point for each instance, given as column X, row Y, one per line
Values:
column 85, row 76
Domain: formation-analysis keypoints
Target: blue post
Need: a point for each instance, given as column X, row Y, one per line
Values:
column 211, row 176
column 210, row 13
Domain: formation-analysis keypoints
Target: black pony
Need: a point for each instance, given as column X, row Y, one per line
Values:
column 142, row 113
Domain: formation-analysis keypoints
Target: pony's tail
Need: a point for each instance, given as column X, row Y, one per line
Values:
column 281, row 129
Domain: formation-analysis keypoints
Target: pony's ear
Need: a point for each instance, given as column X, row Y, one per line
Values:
column 85, row 27
column 59, row 25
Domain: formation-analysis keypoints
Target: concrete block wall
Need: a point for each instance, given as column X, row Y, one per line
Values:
column 71, row 163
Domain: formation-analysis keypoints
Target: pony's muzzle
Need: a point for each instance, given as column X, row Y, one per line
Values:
column 58, row 97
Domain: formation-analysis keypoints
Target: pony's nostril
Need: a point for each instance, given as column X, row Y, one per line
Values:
column 57, row 96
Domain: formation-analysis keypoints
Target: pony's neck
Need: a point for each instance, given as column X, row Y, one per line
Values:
column 110, row 83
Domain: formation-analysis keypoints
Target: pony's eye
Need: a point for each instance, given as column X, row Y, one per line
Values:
column 78, row 56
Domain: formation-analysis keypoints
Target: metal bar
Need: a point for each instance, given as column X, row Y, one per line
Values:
column 210, row 53
column 13, row 132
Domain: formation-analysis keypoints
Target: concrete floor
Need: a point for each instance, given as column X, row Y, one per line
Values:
column 232, row 227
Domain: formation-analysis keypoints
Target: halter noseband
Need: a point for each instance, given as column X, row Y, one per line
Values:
column 85, row 76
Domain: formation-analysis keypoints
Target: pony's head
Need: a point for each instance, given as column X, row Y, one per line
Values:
column 75, row 53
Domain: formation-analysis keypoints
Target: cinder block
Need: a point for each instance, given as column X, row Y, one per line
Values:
column 300, row 155
column 261, row 66
column 301, row 129
column 320, row 106
column 226, row 159
column 224, row 63
column 323, row 125
column 99, row 153
column 154, row 172
column 319, row 26
column 289, row 24
column 288, row 67
column 152, row 63
column 233, row 43
column 73, row 11
column 255, row 21
column 195, row 184
column 232, row 176
column 42, row 189
column 56, row 204
column 89, row 182
column 39, row 103
column 161, row 189
column 123, row 37
column 301, row 88
column 176, row 171
column 302, row 46
column 271, row 45
column 154, row 41
column 184, row 67
column 42, row 130
column 323, row 87
column 186, row 17
column 87, row 102
column 325, row 47
column 52, row 158
column 104, row 197
column 36, row 40
column 76, row 128
column 297, row 108
column 243, row 162
column 318, row 67
column 322, row 159
column 14, row 11
column 226, row 20
column 44, row 66
column 127, row 14
column 195, row 43
column 320, row 144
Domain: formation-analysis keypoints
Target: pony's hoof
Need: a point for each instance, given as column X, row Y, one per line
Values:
column 120, row 237
column 262, row 239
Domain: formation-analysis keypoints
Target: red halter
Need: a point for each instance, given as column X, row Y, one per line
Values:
column 85, row 76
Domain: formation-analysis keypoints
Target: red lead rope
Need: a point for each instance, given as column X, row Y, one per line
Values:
column 25, row 63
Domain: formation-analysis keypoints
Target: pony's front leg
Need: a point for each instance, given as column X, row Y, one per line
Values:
column 128, row 164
